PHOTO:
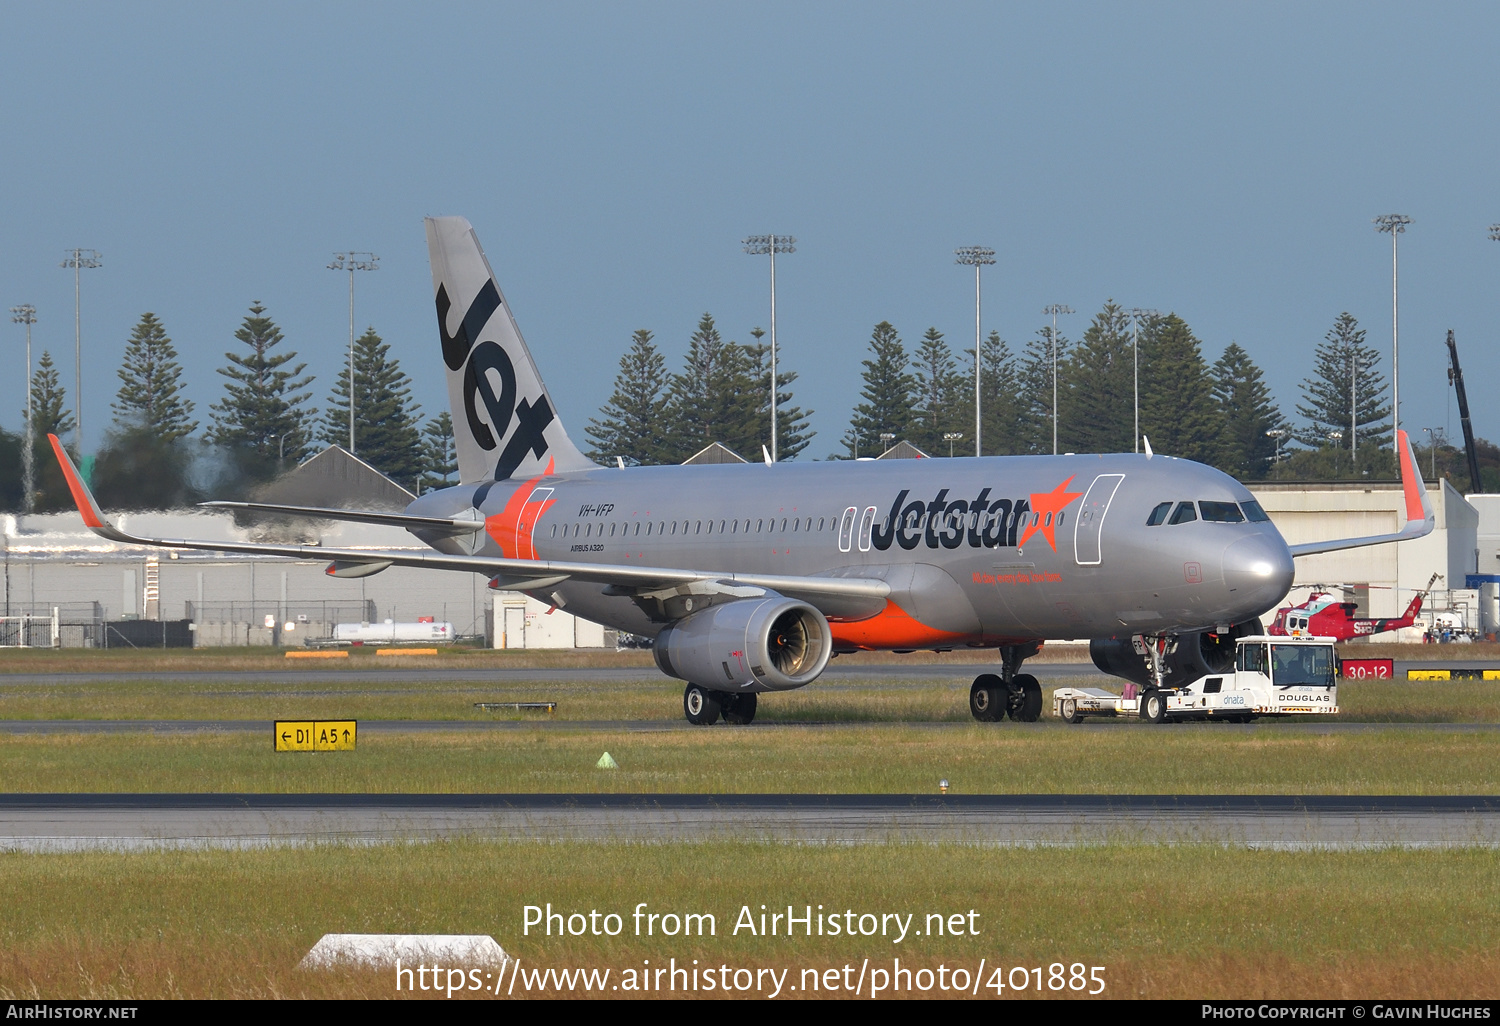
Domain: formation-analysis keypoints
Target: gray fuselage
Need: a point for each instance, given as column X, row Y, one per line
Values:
column 963, row 543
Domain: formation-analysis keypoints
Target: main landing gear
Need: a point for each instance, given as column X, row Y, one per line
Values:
column 703, row 706
column 993, row 697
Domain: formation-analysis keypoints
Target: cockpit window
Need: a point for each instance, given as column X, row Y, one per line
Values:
column 1253, row 512
column 1185, row 514
column 1159, row 514
column 1221, row 512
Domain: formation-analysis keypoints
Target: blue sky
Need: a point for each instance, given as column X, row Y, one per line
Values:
column 1222, row 161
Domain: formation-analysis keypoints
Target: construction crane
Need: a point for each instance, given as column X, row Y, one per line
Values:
column 1456, row 376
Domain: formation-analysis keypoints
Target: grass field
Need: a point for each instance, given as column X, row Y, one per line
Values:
column 866, row 758
column 1257, row 924
column 653, row 696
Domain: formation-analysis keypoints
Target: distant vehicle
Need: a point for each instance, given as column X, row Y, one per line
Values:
column 1324, row 617
column 1270, row 677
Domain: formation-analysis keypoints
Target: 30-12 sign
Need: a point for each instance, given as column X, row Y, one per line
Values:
column 1368, row 669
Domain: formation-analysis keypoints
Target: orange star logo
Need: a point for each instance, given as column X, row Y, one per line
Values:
column 1048, row 506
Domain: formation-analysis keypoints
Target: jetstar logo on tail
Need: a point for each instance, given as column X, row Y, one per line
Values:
column 980, row 522
column 485, row 365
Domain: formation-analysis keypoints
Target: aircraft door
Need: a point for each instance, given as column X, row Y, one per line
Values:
column 846, row 529
column 866, row 523
column 1090, row 522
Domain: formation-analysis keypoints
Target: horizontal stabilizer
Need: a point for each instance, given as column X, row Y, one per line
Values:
column 1420, row 518
column 444, row 524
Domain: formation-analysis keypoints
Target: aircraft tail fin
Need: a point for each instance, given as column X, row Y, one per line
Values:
column 1420, row 518
column 504, row 422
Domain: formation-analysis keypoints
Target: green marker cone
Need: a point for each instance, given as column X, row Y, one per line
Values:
column 607, row 761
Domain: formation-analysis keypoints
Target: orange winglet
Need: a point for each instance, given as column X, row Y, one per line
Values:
column 1411, row 480
column 81, row 497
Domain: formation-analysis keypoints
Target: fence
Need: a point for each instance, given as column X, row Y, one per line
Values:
column 29, row 631
column 330, row 611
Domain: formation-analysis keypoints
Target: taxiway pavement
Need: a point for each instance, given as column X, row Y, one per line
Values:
column 59, row 822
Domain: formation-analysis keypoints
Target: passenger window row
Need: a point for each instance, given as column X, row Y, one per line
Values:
column 1213, row 513
column 659, row 528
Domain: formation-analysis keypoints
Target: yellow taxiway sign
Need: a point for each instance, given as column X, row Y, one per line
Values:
column 316, row 735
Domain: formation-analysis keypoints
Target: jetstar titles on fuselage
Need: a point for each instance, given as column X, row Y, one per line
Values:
column 980, row 522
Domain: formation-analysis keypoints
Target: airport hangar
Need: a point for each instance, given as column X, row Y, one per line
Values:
column 108, row 594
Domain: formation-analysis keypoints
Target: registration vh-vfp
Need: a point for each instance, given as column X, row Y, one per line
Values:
column 749, row 578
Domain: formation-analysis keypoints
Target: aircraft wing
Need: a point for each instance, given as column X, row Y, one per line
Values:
column 506, row 574
column 1420, row 519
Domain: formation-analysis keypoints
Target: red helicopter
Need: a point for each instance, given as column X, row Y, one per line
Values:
column 1323, row 617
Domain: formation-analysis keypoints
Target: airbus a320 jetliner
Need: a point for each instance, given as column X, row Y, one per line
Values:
column 750, row 577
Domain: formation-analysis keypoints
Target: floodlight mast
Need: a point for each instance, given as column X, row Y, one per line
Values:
column 1053, row 311
column 1394, row 225
column 760, row 245
column 26, row 314
column 78, row 259
column 351, row 261
column 975, row 257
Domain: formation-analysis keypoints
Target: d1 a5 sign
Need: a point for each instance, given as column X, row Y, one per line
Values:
column 316, row 735
column 1368, row 669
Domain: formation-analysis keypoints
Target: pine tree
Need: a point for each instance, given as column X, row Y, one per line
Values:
column 1325, row 406
column 1246, row 451
column 386, row 435
column 712, row 399
column 1034, row 396
column 49, row 411
column 262, row 413
column 939, row 395
column 999, row 398
column 633, row 423
column 150, row 397
column 888, row 394
column 1178, row 411
column 439, row 453
column 1098, row 411
column 792, row 435
column 50, row 415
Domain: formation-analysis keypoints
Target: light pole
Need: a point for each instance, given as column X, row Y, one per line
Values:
column 1353, row 405
column 1394, row 224
column 1052, row 311
column 950, row 437
column 1136, row 316
column 352, row 261
column 1334, row 438
column 760, row 245
column 886, row 438
column 78, row 259
column 1278, row 434
column 26, row 314
column 1434, row 436
column 975, row 257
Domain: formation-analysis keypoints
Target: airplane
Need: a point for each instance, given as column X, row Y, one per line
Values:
column 1321, row 616
column 750, row 578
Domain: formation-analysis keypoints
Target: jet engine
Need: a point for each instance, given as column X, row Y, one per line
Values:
column 771, row 643
column 1188, row 657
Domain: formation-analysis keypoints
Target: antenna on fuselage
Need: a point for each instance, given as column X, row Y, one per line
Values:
column 1149, row 453
column 767, row 454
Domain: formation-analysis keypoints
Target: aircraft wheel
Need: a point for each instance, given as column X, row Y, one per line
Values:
column 1153, row 706
column 700, row 705
column 1025, row 699
column 987, row 698
column 739, row 709
column 1070, row 711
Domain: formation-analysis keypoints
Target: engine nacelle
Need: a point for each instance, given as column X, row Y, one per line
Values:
column 758, row 644
column 1189, row 657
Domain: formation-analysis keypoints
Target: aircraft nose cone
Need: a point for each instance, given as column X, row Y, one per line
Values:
column 1259, row 572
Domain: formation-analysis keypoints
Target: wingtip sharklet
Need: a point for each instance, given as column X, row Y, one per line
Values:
column 93, row 517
